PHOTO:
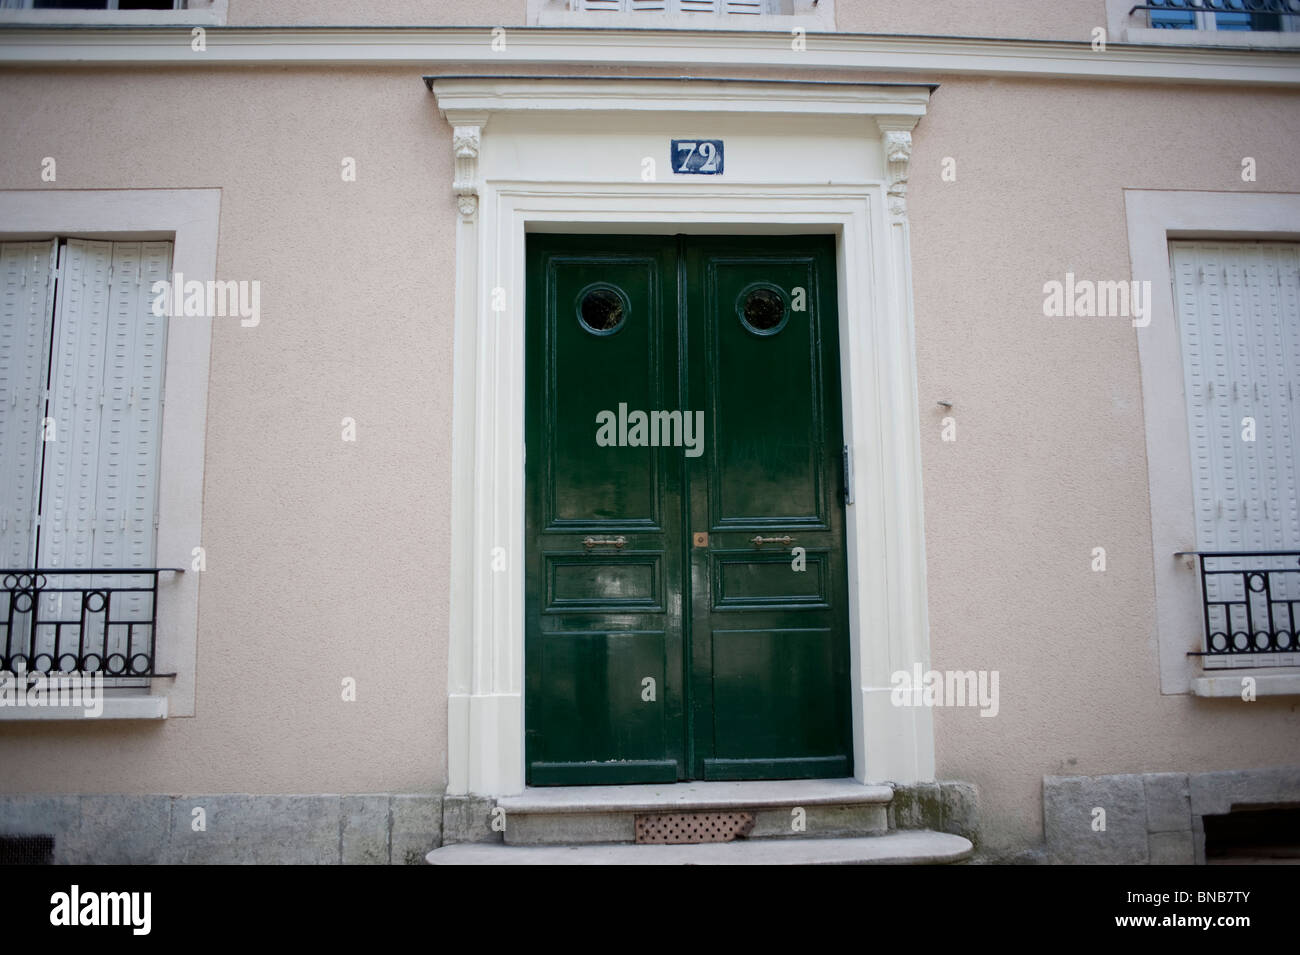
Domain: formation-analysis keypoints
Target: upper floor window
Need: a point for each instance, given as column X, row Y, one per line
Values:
column 1238, row 310
column 1241, row 15
column 93, row 4
column 725, row 14
column 82, row 359
column 82, row 12
column 680, row 6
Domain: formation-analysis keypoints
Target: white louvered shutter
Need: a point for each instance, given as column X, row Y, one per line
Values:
column 76, row 373
column 1240, row 327
column 26, row 314
column 26, row 311
column 101, row 476
column 130, row 429
column 1238, row 308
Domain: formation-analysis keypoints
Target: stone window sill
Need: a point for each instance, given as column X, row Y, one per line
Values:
column 1267, row 683
column 115, row 708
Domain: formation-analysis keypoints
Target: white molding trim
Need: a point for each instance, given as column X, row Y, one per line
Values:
column 190, row 219
column 1155, row 217
column 431, row 48
column 484, row 95
column 516, row 194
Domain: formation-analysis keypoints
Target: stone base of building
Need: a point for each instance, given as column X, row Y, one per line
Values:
column 1152, row 818
column 320, row 829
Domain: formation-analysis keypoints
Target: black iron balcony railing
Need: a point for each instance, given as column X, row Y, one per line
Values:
column 1237, row 14
column 72, row 620
column 1251, row 601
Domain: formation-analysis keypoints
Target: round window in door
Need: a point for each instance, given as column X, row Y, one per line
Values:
column 602, row 308
column 762, row 308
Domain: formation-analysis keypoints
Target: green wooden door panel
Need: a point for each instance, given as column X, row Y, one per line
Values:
column 601, row 620
column 770, row 696
column 648, row 658
column 595, row 706
column 764, row 404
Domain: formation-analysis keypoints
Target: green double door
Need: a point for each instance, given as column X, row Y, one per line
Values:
column 686, row 596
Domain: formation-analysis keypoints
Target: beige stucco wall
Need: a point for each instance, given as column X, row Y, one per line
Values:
column 1037, row 19
column 324, row 559
column 328, row 559
column 1050, row 457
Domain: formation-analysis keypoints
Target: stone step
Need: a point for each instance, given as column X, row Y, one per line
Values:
column 913, row 847
column 808, row 808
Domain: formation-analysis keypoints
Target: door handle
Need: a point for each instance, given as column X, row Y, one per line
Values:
column 760, row 541
column 590, row 542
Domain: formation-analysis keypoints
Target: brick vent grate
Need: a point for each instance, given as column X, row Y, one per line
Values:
column 686, row 828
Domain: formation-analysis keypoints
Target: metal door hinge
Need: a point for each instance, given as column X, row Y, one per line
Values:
column 848, row 475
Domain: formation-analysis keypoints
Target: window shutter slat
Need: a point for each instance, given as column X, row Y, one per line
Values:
column 100, row 478
column 126, row 482
column 26, row 313
column 68, row 502
column 76, row 370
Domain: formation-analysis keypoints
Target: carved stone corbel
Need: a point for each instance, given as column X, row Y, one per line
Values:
column 465, row 143
column 898, row 155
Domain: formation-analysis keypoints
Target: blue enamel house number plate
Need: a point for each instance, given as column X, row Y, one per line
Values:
column 697, row 157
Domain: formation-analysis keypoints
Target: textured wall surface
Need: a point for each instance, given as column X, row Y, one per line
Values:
column 325, row 559
column 1050, row 456
column 1037, row 19
column 328, row 559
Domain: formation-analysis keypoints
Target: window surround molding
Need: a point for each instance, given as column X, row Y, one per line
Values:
column 1125, row 28
column 195, row 13
column 188, row 218
column 808, row 15
column 513, row 144
column 1155, row 217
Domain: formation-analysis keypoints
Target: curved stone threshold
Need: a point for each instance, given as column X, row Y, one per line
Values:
column 919, row 847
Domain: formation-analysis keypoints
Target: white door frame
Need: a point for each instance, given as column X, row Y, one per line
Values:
column 852, row 184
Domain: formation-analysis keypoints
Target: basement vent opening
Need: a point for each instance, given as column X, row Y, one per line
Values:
column 1254, row 834
column 687, row 828
column 26, row 850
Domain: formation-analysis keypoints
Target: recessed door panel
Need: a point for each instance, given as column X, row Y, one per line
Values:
column 596, row 703
column 604, row 349
column 766, row 425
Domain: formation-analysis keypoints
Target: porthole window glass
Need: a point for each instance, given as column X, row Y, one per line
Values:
column 763, row 309
column 602, row 309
